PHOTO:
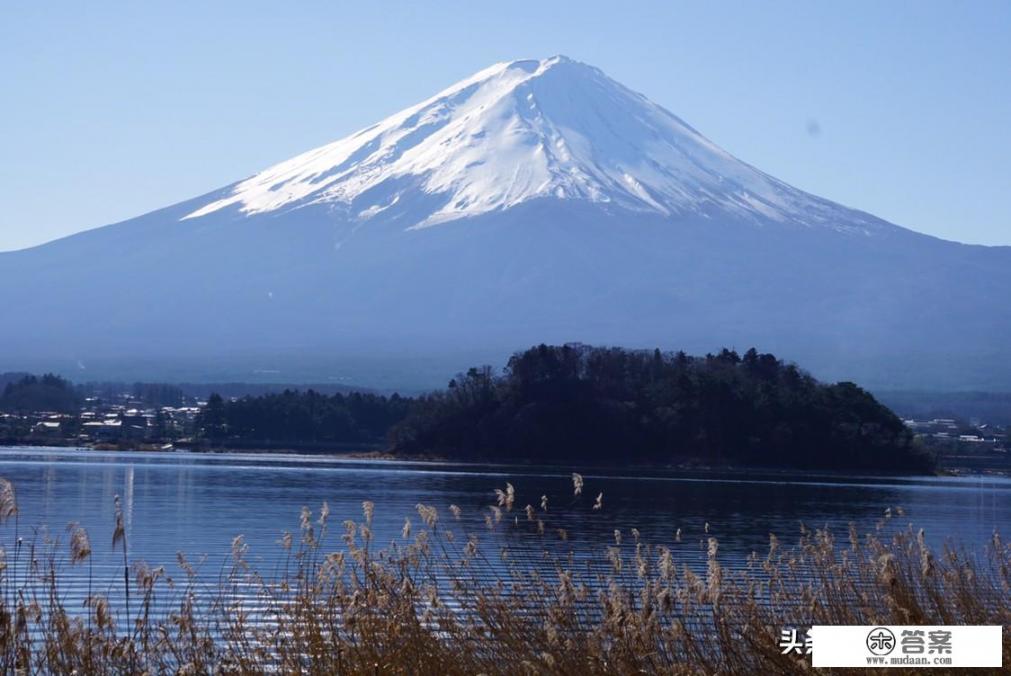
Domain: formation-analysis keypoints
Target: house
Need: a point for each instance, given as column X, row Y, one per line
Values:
column 103, row 431
column 47, row 429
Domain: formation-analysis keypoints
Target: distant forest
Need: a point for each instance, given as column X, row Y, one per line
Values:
column 582, row 405
column 990, row 407
column 302, row 417
column 26, row 393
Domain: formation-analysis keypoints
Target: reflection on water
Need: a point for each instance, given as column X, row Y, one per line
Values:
column 196, row 503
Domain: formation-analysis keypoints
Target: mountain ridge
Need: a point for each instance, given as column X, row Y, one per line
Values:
column 409, row 244
column 524, row 130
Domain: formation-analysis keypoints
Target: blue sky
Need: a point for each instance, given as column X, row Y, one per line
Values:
column 902, row 109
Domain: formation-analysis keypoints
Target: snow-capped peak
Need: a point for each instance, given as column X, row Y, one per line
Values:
column 521, row 130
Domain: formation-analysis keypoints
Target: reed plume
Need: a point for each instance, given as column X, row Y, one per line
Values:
column 430, row 603
column 80, row 545
column 8, row 500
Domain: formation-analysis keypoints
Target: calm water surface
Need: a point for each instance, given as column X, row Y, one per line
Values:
column 196, row 503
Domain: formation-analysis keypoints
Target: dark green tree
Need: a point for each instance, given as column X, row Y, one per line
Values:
column 212, row 418
column 579, row 404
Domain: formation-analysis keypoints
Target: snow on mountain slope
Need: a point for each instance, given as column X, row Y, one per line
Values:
column 552, row 128
column 535, row 201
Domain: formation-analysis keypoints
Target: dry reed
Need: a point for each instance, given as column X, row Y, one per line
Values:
column 440, row 600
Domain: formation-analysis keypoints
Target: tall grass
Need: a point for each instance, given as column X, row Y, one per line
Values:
column 441, row 599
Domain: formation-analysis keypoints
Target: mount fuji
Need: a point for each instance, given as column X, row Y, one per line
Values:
column 536, row 201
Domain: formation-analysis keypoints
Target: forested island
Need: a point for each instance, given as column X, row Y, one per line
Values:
column 582, row 405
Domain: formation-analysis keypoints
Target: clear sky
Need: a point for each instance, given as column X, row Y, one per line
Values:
column 109, row 110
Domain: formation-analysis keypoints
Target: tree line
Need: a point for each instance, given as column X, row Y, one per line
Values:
column 582, row 405
column 302, row 417
column 27, row 393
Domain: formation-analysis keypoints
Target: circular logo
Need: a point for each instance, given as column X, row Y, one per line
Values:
column 880, row 641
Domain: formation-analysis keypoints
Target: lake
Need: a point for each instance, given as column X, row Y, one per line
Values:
column 196, row 503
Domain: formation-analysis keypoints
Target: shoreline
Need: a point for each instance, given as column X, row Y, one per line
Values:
column 372, row 452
